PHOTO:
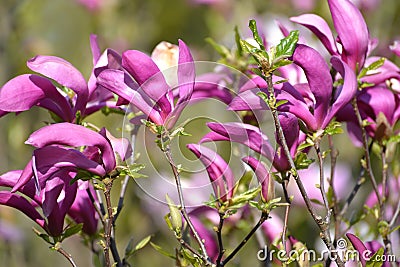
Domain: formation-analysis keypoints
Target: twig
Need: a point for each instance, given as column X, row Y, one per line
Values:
column 366, row 151
column 395, row 215
column 127, row 178
column 109, row 222
column 285, row 222
column 359, row 182
column 68, row 256
column 335, row 203
column 167, row 153
column 264, row 216
column 325, row 236
column 219, row 237
column 322, row 179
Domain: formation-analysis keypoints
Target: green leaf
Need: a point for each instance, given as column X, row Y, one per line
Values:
column 237, row 41
column 70, row 231
column 175, row 216
column 286, row 46
column 130, row 250
column 43, row 236
column 240, row 200
column 302, row 162
column 256, row 36
column 221, row 50
column 162, row 251
column 373, row 66
column 142, row 243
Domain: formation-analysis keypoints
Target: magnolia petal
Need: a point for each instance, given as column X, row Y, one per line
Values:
column 148, row 76
column 50, row 158
column 320, row 28
column 186, row 73
column 121, row 146
column 262, row 174
column 51, row 193
column 211, row 85
column 348, row 90
column 65, row 74
column 242, row 133
column 319, row 78
column 82, row 210
column 218, row 170
column 73, row 135
column 24, row 91
column 358, row 245
column 207, row 237
column 352, row 31
column 22, row 204
column 395, row 47
column 116, row 82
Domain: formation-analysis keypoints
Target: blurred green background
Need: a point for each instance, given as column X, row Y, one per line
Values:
column 62, row 28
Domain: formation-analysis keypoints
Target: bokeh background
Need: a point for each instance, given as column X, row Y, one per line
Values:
column 62, row 28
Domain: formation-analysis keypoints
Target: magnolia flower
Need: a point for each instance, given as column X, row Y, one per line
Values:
column 350, row 26
column 68, row 97
column 314, row 103
column 142, row 84
column 221, row 175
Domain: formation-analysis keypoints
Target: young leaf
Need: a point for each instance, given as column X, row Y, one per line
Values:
column 286, row 46
column 221, row 50
column 373, row 66
column 70, row 231
column 162, row 251
column 256, row 36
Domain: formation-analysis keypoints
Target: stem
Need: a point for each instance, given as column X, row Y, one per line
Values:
column 325, row 236
column 366, row 151
column 321, row 178
column 109, row 222
column 285, row 222
column 335, row 203
column 395, row 215
column 185, row 215
column 264, row 216
column 127, row 178
column 219, row 236
column 360, row 181
column 68, row 256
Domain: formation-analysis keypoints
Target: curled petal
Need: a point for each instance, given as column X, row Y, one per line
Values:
column 352, row 31
column 73, row 135
column 65, row 74
column 245, row 134
column 348, row 90
column 358, row 245
column 261, row 173
column 318, row 76
column 22, row 204
column 218, row 170
column 24, row 91
column 207, row 236
column 117, row 82
column 148, row 76
column 120, row 145
column 395, row 47
column 82, row 210
column 186, row 73
column 320, row 28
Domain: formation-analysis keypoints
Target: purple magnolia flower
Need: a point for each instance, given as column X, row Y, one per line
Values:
column 314, row 103
column 253, row 138
column 143, row 84
column 68, row 96
column 262, row 175
column 56, row 200
column 221, row 176
column 350, row 26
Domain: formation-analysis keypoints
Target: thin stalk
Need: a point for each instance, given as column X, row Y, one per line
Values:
column 321, row 178
column 167, row 153
column 264, row 216
column 395, row 215
column 66, row 255
column 366, row 151
column 127, row 178
column 335, row 203
column 109, row 221
column 385, row 236
column 359, row 182
column 325, row 236
column 285, row 222
column 219, row 237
